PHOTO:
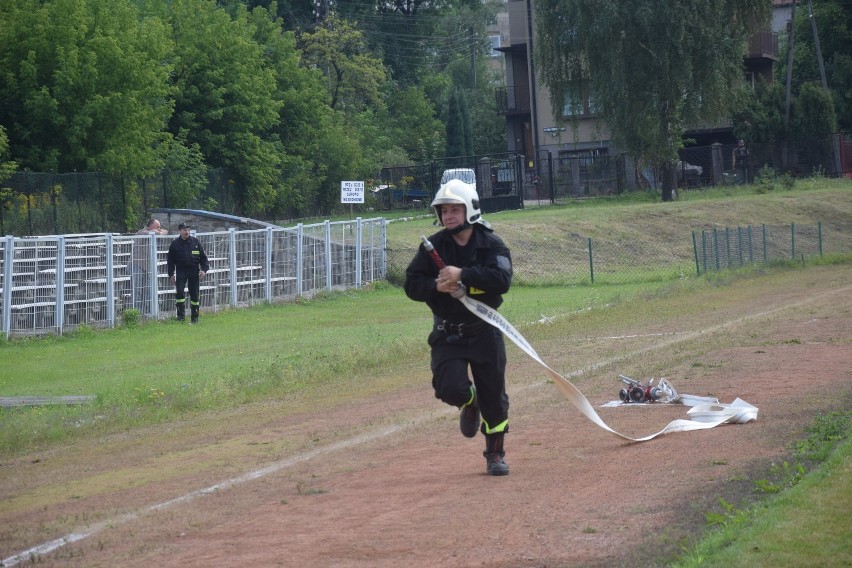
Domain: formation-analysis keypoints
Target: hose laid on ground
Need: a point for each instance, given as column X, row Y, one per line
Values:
column 704, row 416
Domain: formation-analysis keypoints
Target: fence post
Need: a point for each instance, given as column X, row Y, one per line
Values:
column 9, row 256
column 750, row 246
column 695, row 254
column 110, row 281
column 551, row 189
column 267, row 265
column 740, row 244
column 728, row 246
column 53, row 203
column 764, row 243
column 328, row 263
column 819, row 234
column 591, row 262
column 383, row 267
column 59, row 318
column 358, row 269
column 793, row 241
column 704, row 249
column 153, row 278
column 299, row 259
column 716, row 248
column 232, row 260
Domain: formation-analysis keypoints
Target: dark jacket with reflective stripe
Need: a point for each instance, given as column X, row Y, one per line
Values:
column 185, row 255
column 486, row 273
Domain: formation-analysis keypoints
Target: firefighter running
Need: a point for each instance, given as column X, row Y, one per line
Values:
column 478, row 262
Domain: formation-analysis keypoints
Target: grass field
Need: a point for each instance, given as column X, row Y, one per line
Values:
column 164, row 373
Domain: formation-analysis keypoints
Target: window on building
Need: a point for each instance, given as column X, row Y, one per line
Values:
column 495, row 44
column 572, row 105
column 593, row 107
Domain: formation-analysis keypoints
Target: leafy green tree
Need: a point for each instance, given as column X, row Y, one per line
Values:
column 760, row 116
column 833, row 20
column 354, row 76
column 85, row 85
column 225, row 98
column 303, row 113
column 7, row 167
column 655, row 67
column 416, row 128
column 813, row 121
column 458, row 126
column 813, row 115
column 188, row 172
column 479, row 81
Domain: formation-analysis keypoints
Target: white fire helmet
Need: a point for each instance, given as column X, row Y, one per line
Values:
column 457, row 191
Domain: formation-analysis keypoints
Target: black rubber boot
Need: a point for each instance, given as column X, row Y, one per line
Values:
column 181, row 312
column 193, row 314
column 469, row 417
column 494, row 455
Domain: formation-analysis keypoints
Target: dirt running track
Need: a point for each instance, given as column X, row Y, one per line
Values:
column 391, row 482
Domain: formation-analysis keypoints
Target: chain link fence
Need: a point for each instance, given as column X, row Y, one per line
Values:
column 552, row 259
column 719, row 249
column 37, row 203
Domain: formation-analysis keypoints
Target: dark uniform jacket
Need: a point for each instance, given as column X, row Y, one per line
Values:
column 186, row 255
column 486, row 272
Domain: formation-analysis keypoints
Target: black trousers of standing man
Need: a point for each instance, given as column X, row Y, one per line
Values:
column 184, row 276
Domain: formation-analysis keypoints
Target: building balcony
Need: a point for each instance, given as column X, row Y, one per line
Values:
column 513, row 100
column 763, row 45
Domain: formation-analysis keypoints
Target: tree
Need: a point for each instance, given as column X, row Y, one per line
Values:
column 354, row 76
column 655, row 67
column 833, row 21
column 813, row 121
column 458, row 126
column 225, row 98
column 7, row 167
column 760, row 116
column 304, row 119
column 416, row 128
column 85, row 85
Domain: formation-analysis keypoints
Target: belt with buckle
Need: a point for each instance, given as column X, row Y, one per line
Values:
column 460, row 329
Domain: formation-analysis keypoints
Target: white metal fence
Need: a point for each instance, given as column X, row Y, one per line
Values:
column 57, row 283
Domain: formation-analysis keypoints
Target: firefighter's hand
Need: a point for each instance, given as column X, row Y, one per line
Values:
column 201, row 275
column 449, row 281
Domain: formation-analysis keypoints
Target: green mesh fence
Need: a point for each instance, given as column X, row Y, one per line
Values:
column 719, row 249
column 552, row 259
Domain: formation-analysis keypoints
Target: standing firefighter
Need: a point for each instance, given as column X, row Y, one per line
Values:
column 477, row 263
column 187, row 258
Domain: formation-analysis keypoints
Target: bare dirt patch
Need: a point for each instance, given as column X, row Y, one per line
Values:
column 390, row 482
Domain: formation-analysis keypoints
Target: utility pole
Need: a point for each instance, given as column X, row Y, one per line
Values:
column 816, row 45
column 834, row 137
column 791, row 34
column 472, row 43
column 322, row 9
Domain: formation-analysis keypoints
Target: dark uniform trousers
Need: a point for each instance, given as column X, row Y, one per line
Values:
column 183, row 276
column 481, row 348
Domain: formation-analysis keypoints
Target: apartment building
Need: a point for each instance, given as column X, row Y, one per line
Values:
column 531, row 121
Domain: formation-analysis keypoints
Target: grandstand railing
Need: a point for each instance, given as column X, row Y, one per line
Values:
column 54, row 284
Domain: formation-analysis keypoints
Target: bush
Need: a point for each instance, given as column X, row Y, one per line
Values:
column 131, row 317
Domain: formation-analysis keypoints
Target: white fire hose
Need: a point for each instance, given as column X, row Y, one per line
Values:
column 703, row 415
